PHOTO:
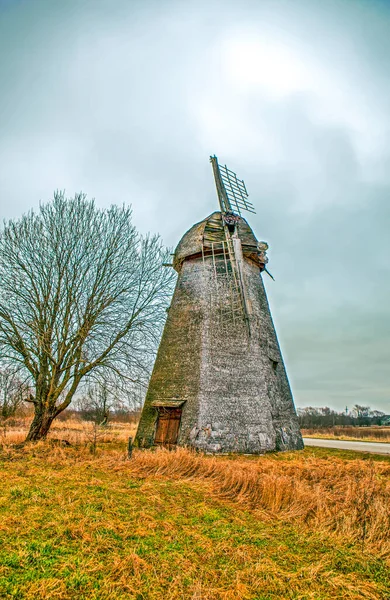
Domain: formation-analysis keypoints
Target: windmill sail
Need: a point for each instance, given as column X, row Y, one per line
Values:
column 233, row 197
column 232, row 193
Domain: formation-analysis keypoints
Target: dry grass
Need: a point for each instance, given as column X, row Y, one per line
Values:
column 348, row 498
column 363, row 434
column 74, row 431
column 310, row 525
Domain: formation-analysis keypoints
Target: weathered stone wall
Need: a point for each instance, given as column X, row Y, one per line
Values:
column 245, row 399
column 177, row 368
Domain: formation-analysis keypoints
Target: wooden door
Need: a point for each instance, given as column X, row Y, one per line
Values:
column 168, row 424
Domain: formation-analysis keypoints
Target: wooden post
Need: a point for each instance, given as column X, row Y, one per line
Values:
column 129, row 447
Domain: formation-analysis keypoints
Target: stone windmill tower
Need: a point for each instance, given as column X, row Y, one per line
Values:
column 219, row 383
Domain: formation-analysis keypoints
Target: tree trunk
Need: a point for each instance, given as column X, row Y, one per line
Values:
column 39, row 428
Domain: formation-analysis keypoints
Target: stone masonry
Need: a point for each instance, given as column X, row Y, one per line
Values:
column 227, row 376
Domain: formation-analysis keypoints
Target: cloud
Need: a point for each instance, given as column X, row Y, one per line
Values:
column 126, row 101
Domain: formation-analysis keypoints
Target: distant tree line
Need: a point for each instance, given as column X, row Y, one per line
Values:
column 359, row 416
column 99, row 402
column 106, row 401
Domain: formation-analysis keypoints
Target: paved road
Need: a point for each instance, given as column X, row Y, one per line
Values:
column 376, row 447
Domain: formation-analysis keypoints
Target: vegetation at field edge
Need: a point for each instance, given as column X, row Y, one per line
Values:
column 178, row 525
column 361, row 434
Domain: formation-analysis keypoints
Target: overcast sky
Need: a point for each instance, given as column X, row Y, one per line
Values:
column 126, row 100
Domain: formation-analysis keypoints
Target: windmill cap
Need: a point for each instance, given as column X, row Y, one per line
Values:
column 201, row 236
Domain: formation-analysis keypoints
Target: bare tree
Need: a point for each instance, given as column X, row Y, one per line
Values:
column 362, row 414
column 110, row 395
column 97, row 403
column 12, row 391
column 81, row 293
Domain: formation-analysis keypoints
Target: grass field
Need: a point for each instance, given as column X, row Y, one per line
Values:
column 79, row 523
column 361, row 434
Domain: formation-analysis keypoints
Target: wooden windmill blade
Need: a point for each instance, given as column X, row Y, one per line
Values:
column 233, row 198
column 231, row 191
column 223, row 199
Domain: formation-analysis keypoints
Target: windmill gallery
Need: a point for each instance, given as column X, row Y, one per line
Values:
column 219, row 383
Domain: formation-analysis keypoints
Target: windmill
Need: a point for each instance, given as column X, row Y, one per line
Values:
column 219, row 383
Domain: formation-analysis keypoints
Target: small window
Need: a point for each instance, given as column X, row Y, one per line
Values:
column 274, row 364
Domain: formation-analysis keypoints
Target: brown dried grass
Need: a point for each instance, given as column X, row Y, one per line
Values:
column 74, row 431
column 179, row 524
column 350, row 499
column 346, row 498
